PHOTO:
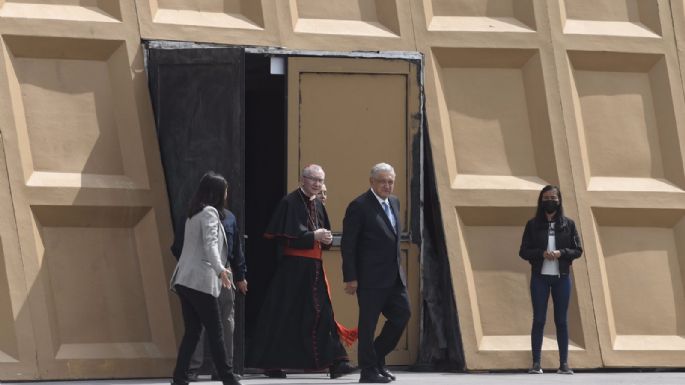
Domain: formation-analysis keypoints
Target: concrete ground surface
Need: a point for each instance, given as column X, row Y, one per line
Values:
column 413, row 378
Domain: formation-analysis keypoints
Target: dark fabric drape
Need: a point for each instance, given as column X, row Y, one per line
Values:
column 440, row 346
column 198, row 101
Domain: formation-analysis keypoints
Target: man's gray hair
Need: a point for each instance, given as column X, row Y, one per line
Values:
column 382, row 167
column 310, row 169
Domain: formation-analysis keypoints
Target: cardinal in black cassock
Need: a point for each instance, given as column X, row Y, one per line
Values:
column 296, row 328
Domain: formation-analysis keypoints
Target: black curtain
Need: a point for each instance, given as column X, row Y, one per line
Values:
column 198, row 101
column 440, row 346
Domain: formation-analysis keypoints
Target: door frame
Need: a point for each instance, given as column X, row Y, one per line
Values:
column 413, row 179
column 414, row 61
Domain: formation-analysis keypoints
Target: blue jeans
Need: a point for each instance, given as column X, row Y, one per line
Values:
column 540, row 287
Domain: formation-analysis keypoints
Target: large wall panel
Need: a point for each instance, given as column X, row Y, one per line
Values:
column 622, row 98
column 634, row 241
column 497, row 136
column 501, row 282
column 624, row 101
column 87, row 193
column 498, row 118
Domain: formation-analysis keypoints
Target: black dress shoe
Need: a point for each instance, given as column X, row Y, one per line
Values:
column 275, row 373
column 232, row 380
column 340, row 368
column 371, row 376
column 174, row 382
column 193, row 377
column 386, row 373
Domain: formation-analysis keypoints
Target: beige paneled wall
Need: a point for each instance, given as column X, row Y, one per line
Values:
column 597, row 108
column 86, row 226
column 493, row 104
column 519, row 93
column 622, row 98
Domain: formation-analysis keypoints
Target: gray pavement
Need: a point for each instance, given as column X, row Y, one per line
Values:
column 413, row 378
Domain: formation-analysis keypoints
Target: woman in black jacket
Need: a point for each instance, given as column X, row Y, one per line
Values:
column 550, row 244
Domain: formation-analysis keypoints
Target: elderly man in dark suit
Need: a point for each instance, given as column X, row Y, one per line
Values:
column 372, row 270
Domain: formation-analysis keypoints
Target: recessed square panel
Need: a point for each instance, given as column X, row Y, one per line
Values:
column 492, row 237
column 239, row 14
column 346, row 17
column 628, row 131
column 637, row 18
column 478, row 15
column 643, row 251
column 103, row 248
column 69, row 120
column 106, row 11
column 498, row 119
column 74, row 116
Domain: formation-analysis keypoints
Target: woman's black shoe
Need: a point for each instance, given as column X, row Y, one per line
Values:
column 275, row 373
column 340, row 368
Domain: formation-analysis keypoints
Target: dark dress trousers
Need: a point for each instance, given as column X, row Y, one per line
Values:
column 371, row 256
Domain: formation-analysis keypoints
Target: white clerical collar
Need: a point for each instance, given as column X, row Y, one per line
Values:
column 380, row 200
column 311, row 198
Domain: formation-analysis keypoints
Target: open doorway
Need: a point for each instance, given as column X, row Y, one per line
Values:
column 265, row 175
column 259, row 129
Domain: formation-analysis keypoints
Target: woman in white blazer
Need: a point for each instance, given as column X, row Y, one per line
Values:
column 199, row 275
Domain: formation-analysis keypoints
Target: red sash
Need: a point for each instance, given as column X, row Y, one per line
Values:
column 347, row 336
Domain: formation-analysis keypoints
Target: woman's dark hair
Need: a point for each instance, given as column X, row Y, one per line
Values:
column 540, row 216
column 210, row 192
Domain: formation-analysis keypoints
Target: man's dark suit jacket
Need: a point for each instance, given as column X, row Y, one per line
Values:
column 370, row 246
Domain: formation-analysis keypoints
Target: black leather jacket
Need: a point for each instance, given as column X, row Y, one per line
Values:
column 534, row 243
